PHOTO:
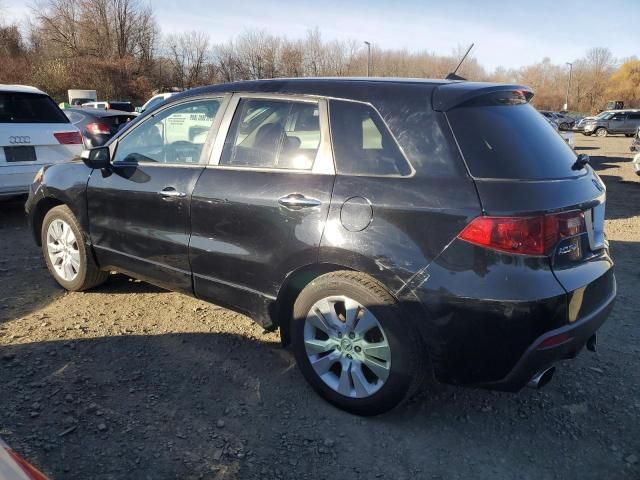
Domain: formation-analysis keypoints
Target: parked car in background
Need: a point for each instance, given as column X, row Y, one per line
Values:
column 156, row 100
column 563, row 121
column 612, row 122
column 385, row 226
column 111, row 105
column 33, row 132
column 78, row 97
column 14, row 467
column 97, row 126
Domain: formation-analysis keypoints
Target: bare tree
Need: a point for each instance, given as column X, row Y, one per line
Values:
column 188, row 53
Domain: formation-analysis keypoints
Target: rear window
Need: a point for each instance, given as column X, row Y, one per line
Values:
column 510, row 142
column 18, row 107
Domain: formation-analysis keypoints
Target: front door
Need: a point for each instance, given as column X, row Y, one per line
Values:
column 139, row 209
column 258, row 212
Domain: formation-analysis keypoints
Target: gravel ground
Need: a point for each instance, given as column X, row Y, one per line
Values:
column 131, row 381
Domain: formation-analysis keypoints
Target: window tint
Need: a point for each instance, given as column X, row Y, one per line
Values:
column 273, row 134
column 511, row 141
column 362, row 144
column 634, row 116
column 174, row 135
column 618, row 116
column 20, row 107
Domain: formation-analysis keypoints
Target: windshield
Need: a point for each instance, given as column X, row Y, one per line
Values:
column 510, row 142
column 604, row 115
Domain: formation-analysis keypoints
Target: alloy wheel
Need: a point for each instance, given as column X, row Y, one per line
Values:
column 347, row 347
column 62, row 247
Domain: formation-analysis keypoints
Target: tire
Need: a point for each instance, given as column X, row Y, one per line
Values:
column 66, row 252
column 628, row 135
column 600, row 132
column 360, row 390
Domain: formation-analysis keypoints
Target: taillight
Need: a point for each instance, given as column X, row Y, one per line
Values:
column 98, row 128
column 68, row 138
column 524, row 235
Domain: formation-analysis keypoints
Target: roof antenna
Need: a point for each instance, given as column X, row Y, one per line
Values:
column 452, row 75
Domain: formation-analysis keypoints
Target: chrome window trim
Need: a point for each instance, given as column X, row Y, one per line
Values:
column 207, row 145
column 323, row 163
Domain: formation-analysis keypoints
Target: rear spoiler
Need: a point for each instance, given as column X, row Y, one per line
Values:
column 451, row 95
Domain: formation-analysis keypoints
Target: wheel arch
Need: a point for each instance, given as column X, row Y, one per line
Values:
column 40, row 210
column 294, row 283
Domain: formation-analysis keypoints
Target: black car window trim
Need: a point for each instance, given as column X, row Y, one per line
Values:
column 324, row 162
column 389, row 132
column 208, row 144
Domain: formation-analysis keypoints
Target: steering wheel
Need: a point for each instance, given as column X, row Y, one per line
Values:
column 182, row 149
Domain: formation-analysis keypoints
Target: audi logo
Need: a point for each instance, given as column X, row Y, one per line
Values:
column 20, row 139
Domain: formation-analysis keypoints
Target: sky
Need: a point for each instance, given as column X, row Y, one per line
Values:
column 506, row 33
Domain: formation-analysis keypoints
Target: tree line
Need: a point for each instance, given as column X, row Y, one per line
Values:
column 117, row 48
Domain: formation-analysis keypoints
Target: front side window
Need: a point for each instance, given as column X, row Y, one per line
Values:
column 362, row 144
column 174, row 135
column 278, row 134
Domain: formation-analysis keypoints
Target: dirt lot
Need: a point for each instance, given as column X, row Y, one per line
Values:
column 130, row 381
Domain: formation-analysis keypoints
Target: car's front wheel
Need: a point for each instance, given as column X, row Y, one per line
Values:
column 66, row 253
column 601, row 132
column 354, row 345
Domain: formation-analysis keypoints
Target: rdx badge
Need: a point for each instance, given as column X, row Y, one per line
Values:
column 572, row 247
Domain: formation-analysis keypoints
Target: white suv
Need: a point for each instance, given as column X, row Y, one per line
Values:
column 33, row 132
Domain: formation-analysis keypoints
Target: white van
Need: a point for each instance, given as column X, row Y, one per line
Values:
column 33, row 132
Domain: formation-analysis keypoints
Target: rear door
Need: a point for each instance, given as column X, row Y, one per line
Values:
column 139, row 210
column 632, row 123
column 258, row 211
column 617, row 123
column 33, row 132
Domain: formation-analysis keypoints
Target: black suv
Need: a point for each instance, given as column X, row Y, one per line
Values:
column 388, row 228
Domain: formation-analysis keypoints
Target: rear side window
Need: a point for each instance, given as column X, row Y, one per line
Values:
column 634, row 116
column 273, row 134
column 18, row 107
column 362, row 144
column 510, row 142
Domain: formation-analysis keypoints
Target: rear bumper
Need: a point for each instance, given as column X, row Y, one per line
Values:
column 572, row 338
column 15, row 180
column 485, row 314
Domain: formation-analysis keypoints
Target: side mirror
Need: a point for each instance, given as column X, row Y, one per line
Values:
column 99, row 157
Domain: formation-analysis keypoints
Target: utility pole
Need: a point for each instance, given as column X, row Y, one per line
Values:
column 566, row 101
column 368, row 44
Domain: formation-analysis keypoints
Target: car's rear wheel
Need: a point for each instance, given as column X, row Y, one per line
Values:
column 353, row 345
column 66, row 253
column 601, row 132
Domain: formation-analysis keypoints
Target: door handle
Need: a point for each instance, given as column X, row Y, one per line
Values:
column 171, row 192
column 297, row 201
